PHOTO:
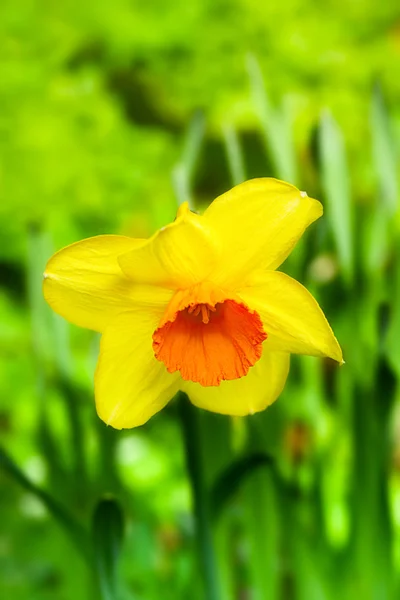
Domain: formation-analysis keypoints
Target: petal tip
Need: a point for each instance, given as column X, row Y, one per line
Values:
column 108, row 417
column 316, row 209
column 183, row 209
column 337, row 355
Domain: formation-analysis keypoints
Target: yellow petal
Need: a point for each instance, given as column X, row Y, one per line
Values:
column 258, row 224
column 131, row 385
column 291, row 316
column 247, row 395
column 84, row 282
column 178, row 256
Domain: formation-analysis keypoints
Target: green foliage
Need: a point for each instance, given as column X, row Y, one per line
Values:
column 111, row 113
column 107, row 535
column 232, row 478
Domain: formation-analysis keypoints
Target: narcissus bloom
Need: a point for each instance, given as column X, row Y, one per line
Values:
column 197, row 307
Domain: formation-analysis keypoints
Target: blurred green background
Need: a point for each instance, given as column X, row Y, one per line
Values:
column 111, row 113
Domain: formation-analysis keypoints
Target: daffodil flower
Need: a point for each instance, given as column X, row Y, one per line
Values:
column 198, row 307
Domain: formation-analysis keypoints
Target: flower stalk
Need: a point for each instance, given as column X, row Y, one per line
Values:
column 205, row 547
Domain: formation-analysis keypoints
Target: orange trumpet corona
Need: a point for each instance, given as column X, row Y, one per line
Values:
column 209, row 343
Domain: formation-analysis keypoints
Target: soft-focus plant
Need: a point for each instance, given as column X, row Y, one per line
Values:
column 299, row 501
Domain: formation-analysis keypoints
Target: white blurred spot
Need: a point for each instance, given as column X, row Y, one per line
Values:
column 35, row 469
column 32, row 507
column 132, row 450
column 141, row 461
column 323, row 268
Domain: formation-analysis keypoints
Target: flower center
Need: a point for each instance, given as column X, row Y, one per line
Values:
column 201, row 310
column 210, row 342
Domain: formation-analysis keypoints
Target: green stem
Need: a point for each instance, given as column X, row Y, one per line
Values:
column 205, row 547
